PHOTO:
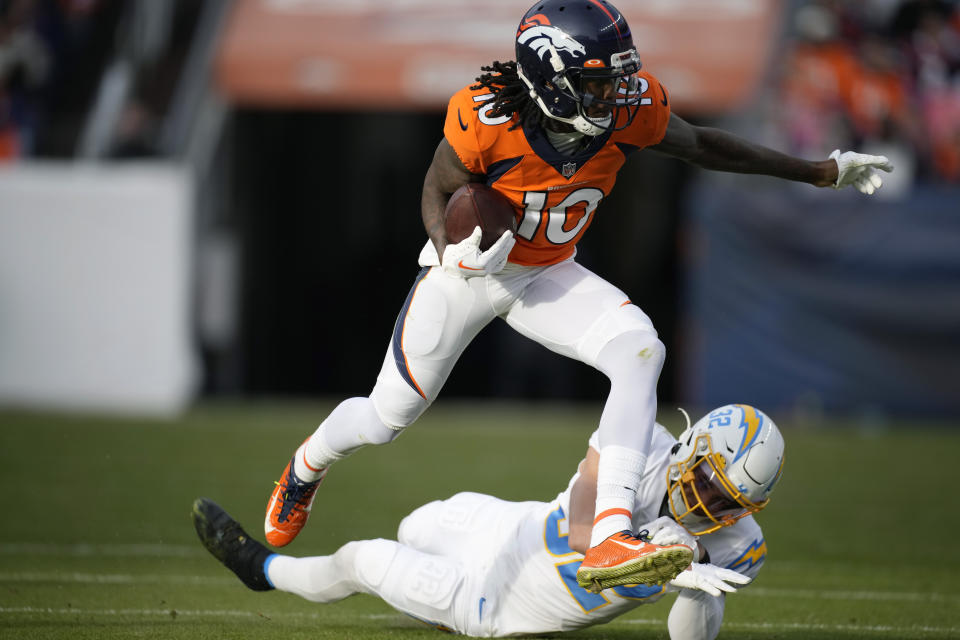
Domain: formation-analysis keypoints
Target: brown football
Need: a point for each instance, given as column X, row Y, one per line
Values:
column 475, row 204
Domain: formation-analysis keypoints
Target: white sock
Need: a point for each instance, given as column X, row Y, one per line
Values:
column 313, row 457
column 617, row 481
column 320, row 579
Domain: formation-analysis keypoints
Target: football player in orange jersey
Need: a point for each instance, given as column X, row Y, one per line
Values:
column 549, row 131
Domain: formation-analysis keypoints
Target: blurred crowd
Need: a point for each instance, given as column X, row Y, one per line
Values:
column 41, row 45
column 55, row 56
column 875, row 75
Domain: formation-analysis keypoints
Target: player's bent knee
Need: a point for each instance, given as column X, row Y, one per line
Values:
column 652, row 351
column 397, row 405
column 369, row 426
column 432, row 526
column 417, row 527
column 615, row 325
column 382, row 434
column 632, row 351
column 372, row 560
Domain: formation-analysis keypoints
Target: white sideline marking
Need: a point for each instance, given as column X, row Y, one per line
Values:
column 111, row 578
column 220, row 613
column 851, row 595
column 114, row 578
column 93, row 550
column 811, row 626
column 234, row 613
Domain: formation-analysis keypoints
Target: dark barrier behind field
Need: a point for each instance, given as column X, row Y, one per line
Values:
column 824, row 301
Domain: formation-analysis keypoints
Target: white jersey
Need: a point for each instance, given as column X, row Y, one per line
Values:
column 519, row 573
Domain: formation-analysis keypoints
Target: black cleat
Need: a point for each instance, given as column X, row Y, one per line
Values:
column 229, row 543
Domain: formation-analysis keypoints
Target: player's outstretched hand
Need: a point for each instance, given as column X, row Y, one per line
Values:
column 665, row 531
column 709, row 578
column 466, row 260
column 860, row 170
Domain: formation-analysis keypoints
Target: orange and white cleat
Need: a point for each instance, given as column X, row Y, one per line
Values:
column 624, row 558
column 289, row 507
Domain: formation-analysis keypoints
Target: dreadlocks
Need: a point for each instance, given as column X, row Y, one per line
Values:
column 510, row 95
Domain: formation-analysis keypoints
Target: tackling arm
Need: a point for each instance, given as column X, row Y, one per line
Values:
column 583, row 500
column 723, row 151
column 445, row 175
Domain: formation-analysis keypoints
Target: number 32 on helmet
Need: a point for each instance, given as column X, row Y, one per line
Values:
column 723, row 468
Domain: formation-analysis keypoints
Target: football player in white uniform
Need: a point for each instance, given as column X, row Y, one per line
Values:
column 486, row 567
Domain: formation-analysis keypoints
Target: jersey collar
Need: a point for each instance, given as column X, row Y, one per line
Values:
column 538, row 141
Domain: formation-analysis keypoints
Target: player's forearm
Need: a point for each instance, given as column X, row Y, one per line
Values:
column 432, row 205
column 583, row 501
column 720, row 150
column 445, row 175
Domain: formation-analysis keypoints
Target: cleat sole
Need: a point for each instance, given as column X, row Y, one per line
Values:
column 655, row 569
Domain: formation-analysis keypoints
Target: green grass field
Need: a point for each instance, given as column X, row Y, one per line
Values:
column 96, row 539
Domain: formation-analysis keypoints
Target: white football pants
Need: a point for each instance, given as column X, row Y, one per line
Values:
column 437, row 572
column 565, row 307
column 481, row 566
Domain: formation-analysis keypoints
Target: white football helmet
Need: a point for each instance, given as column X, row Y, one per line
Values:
column 723, row 468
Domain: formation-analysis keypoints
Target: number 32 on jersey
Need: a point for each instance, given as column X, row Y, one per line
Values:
column 558, row 545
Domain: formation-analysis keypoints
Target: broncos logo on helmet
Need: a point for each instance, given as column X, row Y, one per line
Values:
column 570, row 54
column 541, row 37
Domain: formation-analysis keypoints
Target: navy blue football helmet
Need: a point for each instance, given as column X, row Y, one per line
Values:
column 578, row 60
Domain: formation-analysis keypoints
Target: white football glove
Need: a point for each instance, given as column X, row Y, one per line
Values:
column 860, row 170
column 664, row 530
column 709, row 578
column 465, row 259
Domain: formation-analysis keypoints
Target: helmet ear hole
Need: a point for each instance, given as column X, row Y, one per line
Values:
column 675, row 448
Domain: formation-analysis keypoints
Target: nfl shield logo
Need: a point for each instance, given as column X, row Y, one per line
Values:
column 568, row 169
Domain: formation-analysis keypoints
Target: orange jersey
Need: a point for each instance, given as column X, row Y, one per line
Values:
column 555, row 195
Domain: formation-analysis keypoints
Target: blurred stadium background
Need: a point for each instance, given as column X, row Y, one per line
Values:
column 209, row 217
column 221, row 199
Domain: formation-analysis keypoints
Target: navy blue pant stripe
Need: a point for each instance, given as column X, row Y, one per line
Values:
column 398, row 356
